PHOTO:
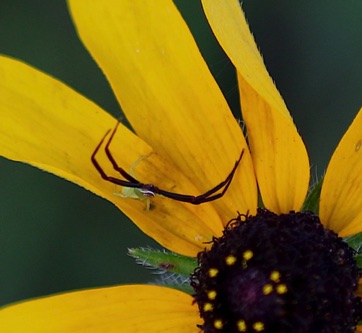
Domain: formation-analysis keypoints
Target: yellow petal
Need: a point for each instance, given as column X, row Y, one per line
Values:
column 279, row 155
column 168, row 93
column 48, row 125
column 128, row 309
column 359, row 288
column 341, row 197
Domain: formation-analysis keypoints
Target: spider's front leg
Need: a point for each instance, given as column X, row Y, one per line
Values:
column 129, row 181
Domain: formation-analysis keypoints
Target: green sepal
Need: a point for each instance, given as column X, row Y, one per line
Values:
column 175, row 281
column 355, row 242
column 260, row 201
column 311, row 204
column 164, row 261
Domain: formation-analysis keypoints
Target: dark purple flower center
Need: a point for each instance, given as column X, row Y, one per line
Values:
column 277, row 274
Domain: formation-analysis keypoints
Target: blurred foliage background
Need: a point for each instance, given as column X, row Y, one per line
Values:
column 55, row 236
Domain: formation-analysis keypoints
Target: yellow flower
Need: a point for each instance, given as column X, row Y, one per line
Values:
column 180, row 115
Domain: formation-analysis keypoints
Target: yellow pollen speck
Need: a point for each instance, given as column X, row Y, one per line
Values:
column 208, row 307
column 230, row 260
column 267, row 289
column 213, row 272
column 218, row 324
column 258, row 326
column 248, row 254
column 241, row 326
column 275, row 276
column 211, row 294
column 282, row 289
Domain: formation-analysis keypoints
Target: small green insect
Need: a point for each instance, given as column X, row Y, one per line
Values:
column 134, row 192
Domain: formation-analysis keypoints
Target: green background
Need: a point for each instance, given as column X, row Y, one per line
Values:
column 55, row 236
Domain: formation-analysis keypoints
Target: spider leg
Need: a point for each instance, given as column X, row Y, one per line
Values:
column 95, row 162
column 207, row 196
column 131, row 182
column 113, row 161
column 150, row 190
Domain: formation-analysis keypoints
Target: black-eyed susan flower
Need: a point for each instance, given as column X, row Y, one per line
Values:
column 266, row 270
